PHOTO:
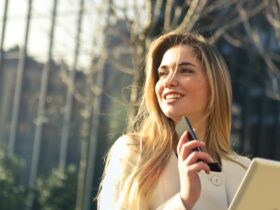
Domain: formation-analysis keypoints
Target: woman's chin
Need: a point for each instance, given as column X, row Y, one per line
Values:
column 176, row 119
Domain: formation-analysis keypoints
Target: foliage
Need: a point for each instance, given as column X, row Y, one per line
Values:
column 12, row 196
column 58, row 190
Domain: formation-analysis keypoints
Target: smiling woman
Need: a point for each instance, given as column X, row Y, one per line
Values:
column 152, row 168
column 182, row 88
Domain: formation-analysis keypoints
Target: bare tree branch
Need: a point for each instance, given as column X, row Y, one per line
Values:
column 232, row 40
column 167, row 17
column 120, row 67
column 192, row 15
column 157, row 8
column 149, row 16
column 216, row 5
column 272, row 16
column 273, row 70
column 254, row 36
column 237, row 21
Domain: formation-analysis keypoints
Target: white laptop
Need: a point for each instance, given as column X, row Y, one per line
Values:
column 260, row 187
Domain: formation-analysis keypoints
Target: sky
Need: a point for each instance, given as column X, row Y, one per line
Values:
column 65, row 33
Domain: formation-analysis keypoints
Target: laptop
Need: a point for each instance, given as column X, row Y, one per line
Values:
column 260, row 187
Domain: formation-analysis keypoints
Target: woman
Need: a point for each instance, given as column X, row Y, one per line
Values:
column 152, row 168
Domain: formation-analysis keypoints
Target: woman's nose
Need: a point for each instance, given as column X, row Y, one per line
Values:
column 171, row 80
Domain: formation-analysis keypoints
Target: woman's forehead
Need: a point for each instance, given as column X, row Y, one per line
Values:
column 178, row 54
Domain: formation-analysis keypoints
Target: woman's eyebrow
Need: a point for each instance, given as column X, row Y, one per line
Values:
column 178, row 65
column 185, row 64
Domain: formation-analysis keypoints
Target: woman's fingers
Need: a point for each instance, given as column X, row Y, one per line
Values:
column 197, row 167
column 183, row 144
column 182, row 141
column 196, row 162
column 198, row 156
column 187, row 148
column 190, row 157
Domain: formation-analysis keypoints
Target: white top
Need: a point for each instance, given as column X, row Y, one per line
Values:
column 217, row 188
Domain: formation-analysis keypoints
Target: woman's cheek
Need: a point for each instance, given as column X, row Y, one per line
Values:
column 158, row 89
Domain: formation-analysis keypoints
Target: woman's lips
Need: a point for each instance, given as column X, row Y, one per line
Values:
column 172, row 96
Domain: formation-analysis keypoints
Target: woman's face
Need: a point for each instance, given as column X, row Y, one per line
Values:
column 182, row 88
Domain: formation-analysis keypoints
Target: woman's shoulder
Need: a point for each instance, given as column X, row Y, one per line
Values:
column 241, row 160
column 124, row 147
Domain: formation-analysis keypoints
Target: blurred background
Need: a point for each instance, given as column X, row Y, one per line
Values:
column 70, row 78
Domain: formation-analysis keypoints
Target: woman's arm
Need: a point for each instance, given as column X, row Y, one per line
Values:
column 174, row 203
column 190, row 163
column 120, row 160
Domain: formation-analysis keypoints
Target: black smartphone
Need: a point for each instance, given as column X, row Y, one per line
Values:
column 191, row 133
column 191, row 136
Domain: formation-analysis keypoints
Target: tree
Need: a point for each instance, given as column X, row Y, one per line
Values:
column 58, row 190
column 219, row 19
column 12, row 196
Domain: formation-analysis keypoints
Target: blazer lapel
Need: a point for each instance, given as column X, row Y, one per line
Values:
column 213, row 189
column 213, row 192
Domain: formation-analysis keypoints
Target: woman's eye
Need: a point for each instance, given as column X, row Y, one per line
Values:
column 186, row 70
column 162, row 74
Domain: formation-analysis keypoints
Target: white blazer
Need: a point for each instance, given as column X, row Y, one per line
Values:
column 217, row 188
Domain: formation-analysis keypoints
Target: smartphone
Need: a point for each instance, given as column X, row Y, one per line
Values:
column 191, row 133
column 191, row 136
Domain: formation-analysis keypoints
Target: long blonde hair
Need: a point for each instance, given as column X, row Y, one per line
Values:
column 155, row 134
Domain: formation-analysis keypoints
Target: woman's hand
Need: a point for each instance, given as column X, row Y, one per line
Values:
column 191, row 162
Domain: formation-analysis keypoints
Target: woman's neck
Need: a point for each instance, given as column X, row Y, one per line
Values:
column 199, row 127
